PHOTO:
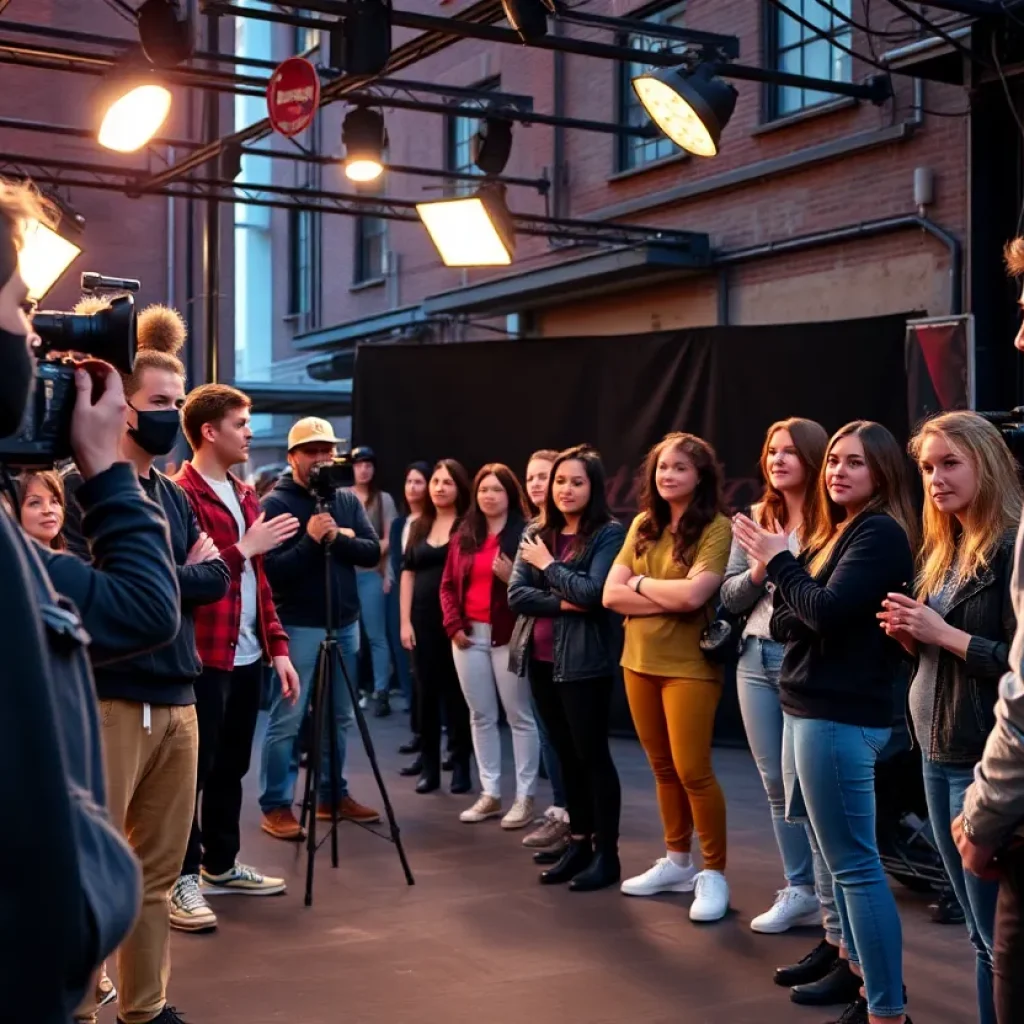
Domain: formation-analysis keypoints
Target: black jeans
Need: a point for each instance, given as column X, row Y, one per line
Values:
column 438, row 685
column 227, row 704
column 1008, row 947
column 576, row 717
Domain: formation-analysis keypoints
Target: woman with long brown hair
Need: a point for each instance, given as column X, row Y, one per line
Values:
column 837, row 682
column 42, row 507
column 791, row 459
column 959, row 628
column 474, row 598
column 423, row 631
column 664, row 581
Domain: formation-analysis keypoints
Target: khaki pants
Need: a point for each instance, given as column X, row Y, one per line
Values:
column 151, row 781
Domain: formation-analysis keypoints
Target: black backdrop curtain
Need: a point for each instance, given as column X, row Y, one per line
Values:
column 498, row 401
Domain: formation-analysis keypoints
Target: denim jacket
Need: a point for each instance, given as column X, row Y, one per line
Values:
column 585, row 644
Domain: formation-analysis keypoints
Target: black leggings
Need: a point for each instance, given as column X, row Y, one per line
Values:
column 437, row 686
column 576, row 716
column 1008, row 947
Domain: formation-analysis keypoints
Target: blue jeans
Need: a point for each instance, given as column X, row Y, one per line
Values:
column 944, row 788
column 399, row 655
column 373, row 612
column 279, row 764
column 834, row 784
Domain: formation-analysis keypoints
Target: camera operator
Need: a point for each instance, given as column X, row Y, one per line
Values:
column 150, row 728
column 990, row 832
column 59, row 932
column 297, row 572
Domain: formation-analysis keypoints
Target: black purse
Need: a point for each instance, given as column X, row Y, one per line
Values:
column 721, row 638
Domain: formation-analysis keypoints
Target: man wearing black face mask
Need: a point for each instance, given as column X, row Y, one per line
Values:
column 151, row 735
column 51, row 773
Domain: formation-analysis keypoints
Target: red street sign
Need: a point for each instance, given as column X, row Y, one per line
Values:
column 293, row 95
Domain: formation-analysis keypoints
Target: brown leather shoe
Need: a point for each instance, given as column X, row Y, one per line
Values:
column 353, row 810
column 282, row 824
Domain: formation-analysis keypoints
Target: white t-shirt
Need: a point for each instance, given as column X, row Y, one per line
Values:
column 249, row 648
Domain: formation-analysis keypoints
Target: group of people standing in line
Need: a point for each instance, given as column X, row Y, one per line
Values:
column 514, row 598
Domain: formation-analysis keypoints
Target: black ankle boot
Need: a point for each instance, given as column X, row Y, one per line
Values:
column 577, row 857
column 839, row 986
column 812, row 967
column 462, row 780
column 413, row 746
column 855, row 1013
column 429, row 781
column 604, row 871
column 412, row 768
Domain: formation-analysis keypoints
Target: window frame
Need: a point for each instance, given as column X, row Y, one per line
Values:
column 301, row 228
column 452, row 142
column 626, row 146
column 362, row 272
column 771, row 93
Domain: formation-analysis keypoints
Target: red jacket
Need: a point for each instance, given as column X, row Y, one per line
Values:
column 455, row 582
column 217, row 625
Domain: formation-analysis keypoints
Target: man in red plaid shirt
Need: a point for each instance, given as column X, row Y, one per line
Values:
column 235, row 637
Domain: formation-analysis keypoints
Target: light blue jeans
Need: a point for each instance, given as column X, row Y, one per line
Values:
column 944, row 788
column 834, row 785
column 757, row 684
column 399, row 654
column 374, row 615
column 279, row 764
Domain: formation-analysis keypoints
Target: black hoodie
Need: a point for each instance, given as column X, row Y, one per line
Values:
column 296, row 569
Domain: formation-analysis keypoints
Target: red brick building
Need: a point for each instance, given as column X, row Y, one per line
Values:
column 810, row 207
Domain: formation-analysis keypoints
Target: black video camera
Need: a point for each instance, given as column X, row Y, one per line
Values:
column 1011, row 426
column 327, row 478
column 44, row 436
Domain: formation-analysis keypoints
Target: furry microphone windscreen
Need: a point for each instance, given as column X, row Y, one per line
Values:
column 162, row 329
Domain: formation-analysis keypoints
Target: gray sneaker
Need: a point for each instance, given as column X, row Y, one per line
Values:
column 552, row 833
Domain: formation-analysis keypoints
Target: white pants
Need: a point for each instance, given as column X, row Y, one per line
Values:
column 484, row 674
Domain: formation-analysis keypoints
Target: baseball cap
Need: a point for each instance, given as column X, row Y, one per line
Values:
column 364, row 453
column 311, row 430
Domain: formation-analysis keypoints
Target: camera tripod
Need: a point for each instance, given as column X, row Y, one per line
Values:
column 328, row 661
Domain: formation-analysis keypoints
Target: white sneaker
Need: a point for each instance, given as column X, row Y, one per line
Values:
column 520, row 815
column 189, row 910
column 484, row 808
column 794, row 907
column 242, row 879
column 664, row 876
column 712, row 897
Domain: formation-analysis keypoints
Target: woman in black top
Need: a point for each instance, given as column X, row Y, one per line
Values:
column 959, row 630
column 423, row 631
column 836, row 684
column 564, row 641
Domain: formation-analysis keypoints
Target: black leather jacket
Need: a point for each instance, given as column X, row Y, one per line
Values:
column 966, row 691
column 585, row 644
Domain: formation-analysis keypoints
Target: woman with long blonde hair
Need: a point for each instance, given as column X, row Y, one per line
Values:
column 837, row 681
column 959, row 628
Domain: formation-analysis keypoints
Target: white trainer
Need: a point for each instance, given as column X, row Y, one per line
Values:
column 484, row 808
column 664, row 876
column 189, row 911
column 795, row 906
column 711, row 902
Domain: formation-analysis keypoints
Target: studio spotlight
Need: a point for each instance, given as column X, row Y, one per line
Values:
column 361, row 42
column 492, row 144
column 49, row 249
column 690, row 107
column 474, row 231
column 165, row 33
column 364, row 137
column 133, row 105
column 528, row 17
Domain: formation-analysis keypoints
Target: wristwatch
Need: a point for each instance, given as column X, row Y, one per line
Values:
column 636, row 586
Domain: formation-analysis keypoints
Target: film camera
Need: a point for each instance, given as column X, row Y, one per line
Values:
column 327, row 478
column 44, row 436
column 1011, row 426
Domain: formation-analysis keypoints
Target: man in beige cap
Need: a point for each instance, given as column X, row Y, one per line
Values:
column 296, row 574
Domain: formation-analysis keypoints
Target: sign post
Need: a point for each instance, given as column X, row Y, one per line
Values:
column 293, row 96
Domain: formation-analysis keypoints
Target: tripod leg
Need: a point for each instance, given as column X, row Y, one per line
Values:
column 313, row 764
column 330, row 723
column 371, row 756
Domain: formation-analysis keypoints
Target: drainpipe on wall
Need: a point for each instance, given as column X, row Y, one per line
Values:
column 171, row 270
column 558, row 171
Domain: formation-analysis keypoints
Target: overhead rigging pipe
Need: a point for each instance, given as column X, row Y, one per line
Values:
column 211, row 226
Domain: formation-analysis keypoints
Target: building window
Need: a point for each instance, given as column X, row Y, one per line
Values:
column 459, row 131
column 306, row 40
column 371, row 242
column 635, row 151
column 300, row 262
column 798, row 49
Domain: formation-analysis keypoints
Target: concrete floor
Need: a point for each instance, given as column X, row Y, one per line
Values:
column 478, row 940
